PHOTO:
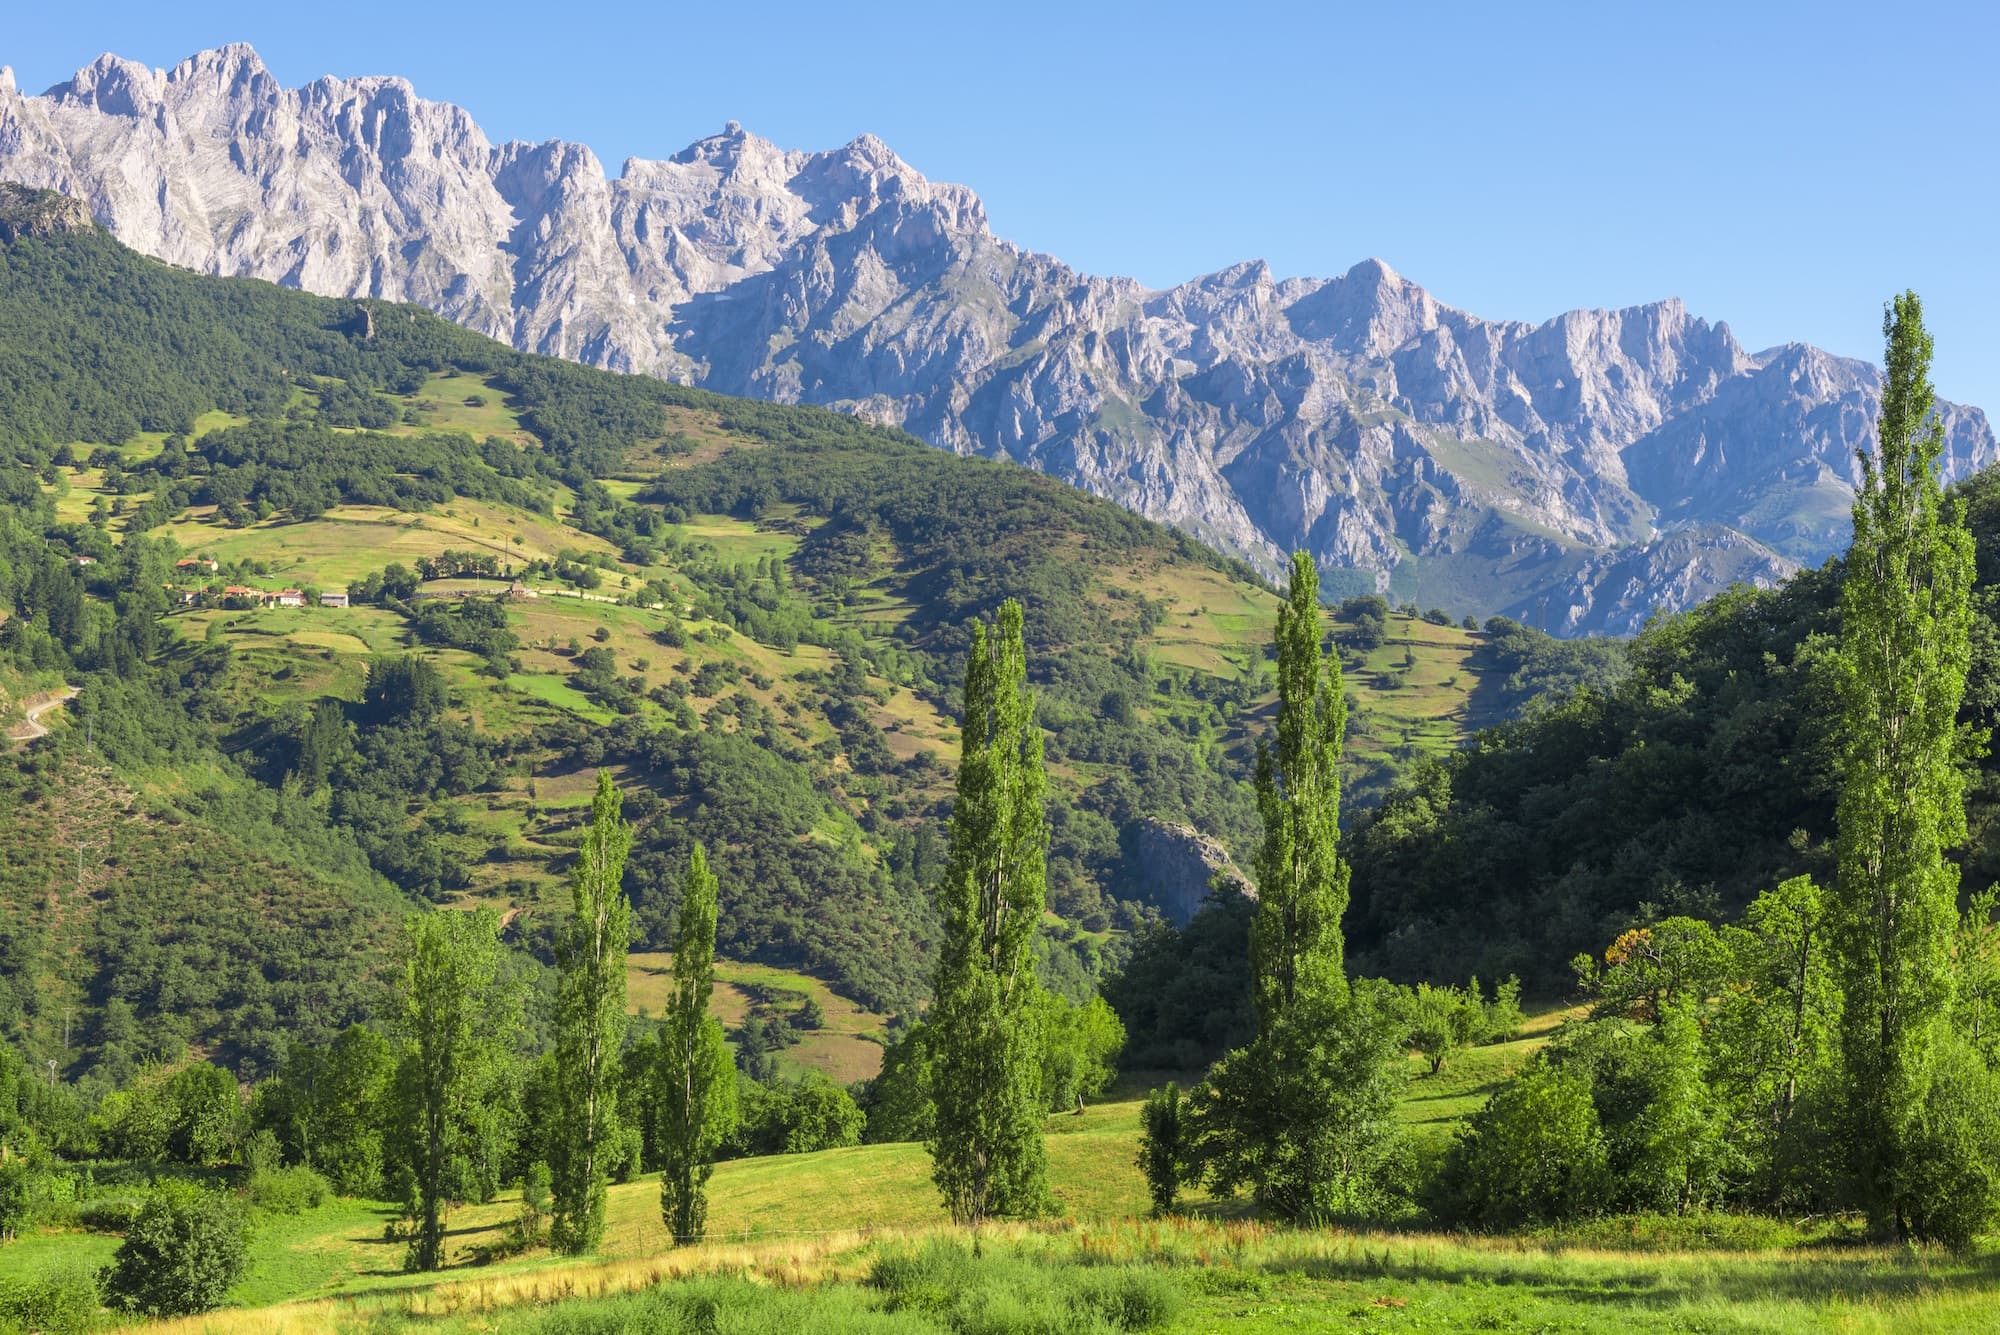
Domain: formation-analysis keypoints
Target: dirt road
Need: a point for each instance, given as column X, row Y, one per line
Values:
column 32, row 726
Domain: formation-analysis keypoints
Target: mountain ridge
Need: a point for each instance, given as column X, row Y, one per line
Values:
column 1576, row 473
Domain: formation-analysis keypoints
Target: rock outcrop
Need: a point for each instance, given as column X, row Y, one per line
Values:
column 1576, row 474
column 34, row 213
column 1176, row 864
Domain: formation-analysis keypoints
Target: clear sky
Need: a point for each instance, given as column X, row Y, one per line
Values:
column 1783, row 167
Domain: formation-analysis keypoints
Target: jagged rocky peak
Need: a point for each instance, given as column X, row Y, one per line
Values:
column 36, row 213
column 1578, row 472
column 231, row 71
column 112, row 85
column 1371, row 310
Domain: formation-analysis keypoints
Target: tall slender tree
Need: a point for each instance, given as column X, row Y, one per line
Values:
column 696, row 1081
column 454, row 1020
column 1905, row 649
column 986, row 1133
column 590, row 1026
column 1297, row 953
column 1304, row 1114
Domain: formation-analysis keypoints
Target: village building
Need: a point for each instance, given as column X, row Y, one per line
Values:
column 333, row 599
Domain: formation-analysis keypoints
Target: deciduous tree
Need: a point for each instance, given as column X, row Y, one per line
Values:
column 590, row 1026
column 1905, row 623
column 696, row 1083
column 986, row 1133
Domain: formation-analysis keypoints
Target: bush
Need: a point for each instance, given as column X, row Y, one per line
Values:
column 1535, row 1152
column 59, row 1301
column 293, row 1190
column 181, row 1255
column 17, row 1199
column 108, row 1215
column 1950, row 1185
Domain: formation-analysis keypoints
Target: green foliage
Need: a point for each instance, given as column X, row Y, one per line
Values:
column 1304, row 1114
column 1534, row 1152
column 1443, row 1021
column 1080, row 1047
column 327, row 1106
column 590, row 1026
column 1165, row 1153
column 1184, row 993
column 1700, row 779
column 1905, row 652
column 1519, row 665
column 455, row 1019
column 796, row 1116
column 531, row 1224
column 286, row 1190
column 1775, row 1029
column 986, row 1134
column 190, row 1115
column 62, row 1300
column 181, row 1255
column 1296, row 951
column 1949, row 1189
column 695, row 1098
column 898, row 1100
column 948, row 1282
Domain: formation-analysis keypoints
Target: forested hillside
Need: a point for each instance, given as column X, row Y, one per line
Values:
column 754, row 615
column 1703, row 777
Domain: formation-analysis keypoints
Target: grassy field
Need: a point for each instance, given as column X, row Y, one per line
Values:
column 1186, row 1276
column 853, row 1269
column 829, row 1241
column 844, row 1048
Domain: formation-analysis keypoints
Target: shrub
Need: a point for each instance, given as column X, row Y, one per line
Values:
column 181, row 1255
column 1535, row 1152
column 1950, row 1185
column 16, row 1196
column 59, row 1301
column 293, row 1190
column 108, row 1215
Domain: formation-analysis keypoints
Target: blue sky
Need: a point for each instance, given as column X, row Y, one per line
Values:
column 1784, row 167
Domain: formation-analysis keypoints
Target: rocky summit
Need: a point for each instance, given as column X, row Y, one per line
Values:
column 1575, row 474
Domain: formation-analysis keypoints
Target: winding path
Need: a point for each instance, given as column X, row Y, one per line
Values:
column 32, row 726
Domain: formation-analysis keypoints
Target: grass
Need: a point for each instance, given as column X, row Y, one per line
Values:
column 844, row 1048
column 1180, row 1275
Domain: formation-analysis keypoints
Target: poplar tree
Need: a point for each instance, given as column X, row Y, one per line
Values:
column 1905, row 649
column 986, row 1133
column 696, row 1081
column 455, row 1023
column 590, row 1026
column 1304, row 1115
column 1297, row 953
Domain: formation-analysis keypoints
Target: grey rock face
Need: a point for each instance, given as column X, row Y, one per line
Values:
column 1176, row 864
column 1577, row 473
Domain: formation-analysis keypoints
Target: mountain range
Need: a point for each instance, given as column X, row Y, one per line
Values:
column 1576, row 474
